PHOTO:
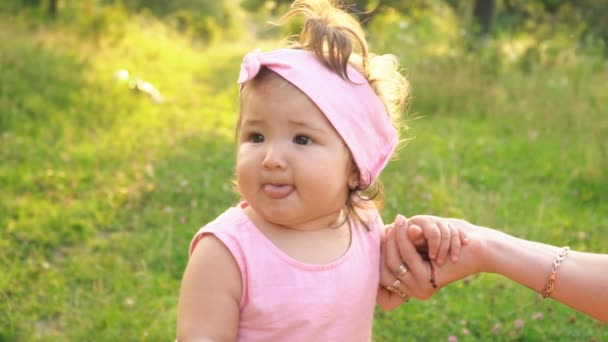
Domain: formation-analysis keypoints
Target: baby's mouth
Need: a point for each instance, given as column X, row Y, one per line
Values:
column 277, row 191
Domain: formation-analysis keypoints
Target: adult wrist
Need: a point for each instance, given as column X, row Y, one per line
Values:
column 494, row 247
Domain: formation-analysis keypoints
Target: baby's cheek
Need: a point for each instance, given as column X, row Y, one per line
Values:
column 244, row 154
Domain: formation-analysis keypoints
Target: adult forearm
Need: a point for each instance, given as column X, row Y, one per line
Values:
column 581, row 279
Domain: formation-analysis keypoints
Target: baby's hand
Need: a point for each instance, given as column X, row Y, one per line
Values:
column 439, row 236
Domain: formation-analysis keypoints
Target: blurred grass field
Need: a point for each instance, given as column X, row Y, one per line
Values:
column 102, row 189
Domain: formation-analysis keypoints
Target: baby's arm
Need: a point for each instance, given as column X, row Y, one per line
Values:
column 210, row 294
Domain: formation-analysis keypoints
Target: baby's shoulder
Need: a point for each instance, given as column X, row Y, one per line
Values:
column 227, row 226
column 369, row 216
column 368, row 211
column 230, row 221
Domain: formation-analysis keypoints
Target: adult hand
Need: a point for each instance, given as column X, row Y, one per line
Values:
column 404, row 273
column 405, row 244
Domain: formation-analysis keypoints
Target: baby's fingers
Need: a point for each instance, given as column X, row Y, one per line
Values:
column 461, row 225
column 416, row 235
column 455, row 242
column 433, row 236
column 464, row 238
column 447, row 239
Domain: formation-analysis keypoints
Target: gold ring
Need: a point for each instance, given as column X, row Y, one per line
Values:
column 401, row 271
column 391, row 289
column 396, row 286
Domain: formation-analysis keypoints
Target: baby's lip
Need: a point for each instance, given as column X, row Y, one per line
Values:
column 277, row 191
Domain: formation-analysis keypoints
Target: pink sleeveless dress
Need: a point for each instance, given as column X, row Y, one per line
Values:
column 287, row 300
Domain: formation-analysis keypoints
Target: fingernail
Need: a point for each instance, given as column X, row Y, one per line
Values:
column 400, row 221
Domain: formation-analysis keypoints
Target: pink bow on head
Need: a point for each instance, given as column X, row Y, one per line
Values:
column 250, row 66
column 352, row 107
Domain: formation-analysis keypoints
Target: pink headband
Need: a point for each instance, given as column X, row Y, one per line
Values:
column 352, row 108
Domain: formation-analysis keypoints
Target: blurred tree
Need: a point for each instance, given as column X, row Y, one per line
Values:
column 201, row 18
column 483, row 12
column 52, row 8
column 204, row 19
column 30, row 2
column 363, row 9
column 585, row 18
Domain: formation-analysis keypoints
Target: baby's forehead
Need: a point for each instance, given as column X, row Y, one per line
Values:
column 282, row 102
column 272, row 88
column 268, row 80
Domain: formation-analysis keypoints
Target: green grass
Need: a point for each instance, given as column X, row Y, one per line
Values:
column 102, row 189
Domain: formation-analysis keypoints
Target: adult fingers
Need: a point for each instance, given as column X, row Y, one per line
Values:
column 389, row 281
column 408, row 252
column 418, row 276
column 391, row 259
column 388, row 300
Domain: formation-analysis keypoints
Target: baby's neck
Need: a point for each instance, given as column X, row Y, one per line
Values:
column 317, row 241
column 329, row 221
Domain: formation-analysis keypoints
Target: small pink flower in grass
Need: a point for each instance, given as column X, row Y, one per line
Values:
column 452, row 338
column 518, row 324
column 465, row 332
column 183, row 220
column 537, row 316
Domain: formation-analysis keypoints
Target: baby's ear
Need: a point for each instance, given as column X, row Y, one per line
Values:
column 353, row 176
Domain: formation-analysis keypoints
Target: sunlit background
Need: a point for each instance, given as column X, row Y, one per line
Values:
column 116, row 145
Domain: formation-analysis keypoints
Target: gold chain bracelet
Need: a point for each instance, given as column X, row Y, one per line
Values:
column 551, row 281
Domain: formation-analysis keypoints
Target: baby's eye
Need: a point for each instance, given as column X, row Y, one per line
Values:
column 256, row 138
column 302, row 140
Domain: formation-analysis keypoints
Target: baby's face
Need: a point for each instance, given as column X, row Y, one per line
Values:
column 292, row 166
